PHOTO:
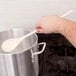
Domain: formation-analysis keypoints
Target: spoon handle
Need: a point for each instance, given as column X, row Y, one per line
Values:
column 29, row 34
column 67, row 13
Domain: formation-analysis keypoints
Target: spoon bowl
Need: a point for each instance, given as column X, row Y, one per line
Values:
column 10, row 44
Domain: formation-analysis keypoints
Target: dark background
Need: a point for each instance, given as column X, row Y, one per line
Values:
column 59, row 57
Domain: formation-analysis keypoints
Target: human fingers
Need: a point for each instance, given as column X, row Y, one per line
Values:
column 38, row 28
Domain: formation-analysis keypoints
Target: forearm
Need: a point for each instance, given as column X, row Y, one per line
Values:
column 68, row 29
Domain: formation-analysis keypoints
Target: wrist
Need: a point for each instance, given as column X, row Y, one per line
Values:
column 62, row 26
column 59, row 23
column 65, row 26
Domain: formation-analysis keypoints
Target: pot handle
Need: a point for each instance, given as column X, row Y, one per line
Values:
column 43, row 48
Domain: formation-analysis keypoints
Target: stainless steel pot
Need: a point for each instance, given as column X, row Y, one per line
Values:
column 23, row 61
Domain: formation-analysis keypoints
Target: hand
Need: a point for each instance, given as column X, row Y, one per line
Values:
column 48, row 24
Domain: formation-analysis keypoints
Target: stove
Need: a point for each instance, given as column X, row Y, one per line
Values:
column 59, row 57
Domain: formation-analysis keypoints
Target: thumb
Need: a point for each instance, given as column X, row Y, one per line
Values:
column 39, row 30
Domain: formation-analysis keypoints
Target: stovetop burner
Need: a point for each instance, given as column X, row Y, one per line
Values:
column 59, row 57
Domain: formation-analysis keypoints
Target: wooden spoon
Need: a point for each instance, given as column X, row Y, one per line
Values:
column 10, row 44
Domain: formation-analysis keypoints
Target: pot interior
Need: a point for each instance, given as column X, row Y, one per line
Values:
column 25, row 45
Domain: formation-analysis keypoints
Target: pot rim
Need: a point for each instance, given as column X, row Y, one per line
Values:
column 13, row 53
